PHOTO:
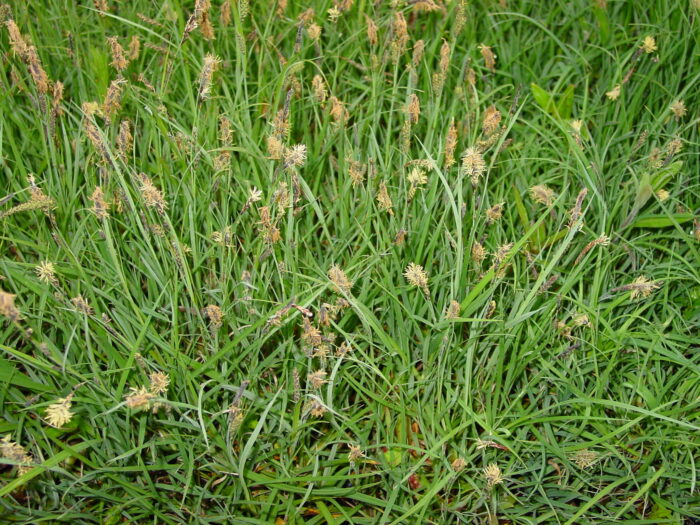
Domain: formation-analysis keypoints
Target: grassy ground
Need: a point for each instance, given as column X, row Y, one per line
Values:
column 209, row 324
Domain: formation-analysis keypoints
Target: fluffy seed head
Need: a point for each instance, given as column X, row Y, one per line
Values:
column 317, row 379
column 159, row 382
column 473, row 165
column 211, row 64
column 614, row 93
column 542, row 194
column 119, row 60
column 648, row 45
column 294, row 157
column 489, row 57
column 678, row 109
column 7, row 306
column 46, row 272
column 416, row 276
column 493, row 475
column 59, row 413
column 139, row 399
column 339, row 279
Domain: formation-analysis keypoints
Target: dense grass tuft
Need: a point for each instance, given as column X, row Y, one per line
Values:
column 349, row 262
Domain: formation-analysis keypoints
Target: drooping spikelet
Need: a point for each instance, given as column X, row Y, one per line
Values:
column 100, row 207
column 7, row 306
column 489, row 57
column 119, row 60
column 542, row 193
column 384, row 200
column 112, row 101
column 125, row 140
column 450, row 145
column 492, row 121
column 152, row 196
column 372, row 31
column 211, row 64
column 413, row 108
column 319, row 88
column 473, row 165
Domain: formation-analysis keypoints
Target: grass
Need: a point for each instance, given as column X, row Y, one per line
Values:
column 561, row 388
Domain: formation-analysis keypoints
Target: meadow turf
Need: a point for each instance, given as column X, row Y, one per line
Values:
column 349, row 262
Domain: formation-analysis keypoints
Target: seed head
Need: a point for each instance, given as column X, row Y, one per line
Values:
column 46, row 273
column 139, row 399
column 100, row 207
column 119, row 60
column 416, row 276
column 473, row 165
column 584, row 458
column 317, row 379
column 542, row 194
column 459, row 464
column 159, row 383
column 316, row 408
column 319, row 88
column 413, row 108
column 492, row 474
column 678, row 109
column 494, row 213
column 58, row 413
column 215, row 316
column 492, row 121
column 15, row 452
column 81, row 305
column 371, row 31
column 211, row 64
column 152, row 196
column 355, row 454
column 489, row 57
column 383, row 199
column 339, row 279
column 314, row 31
column 7, row 306
column 17, row 41
column 295, row 156
column 450, row 145
column 642, row 287
column 453, row 310
column 614, row 93
column 478, row 253
column 648, row 45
